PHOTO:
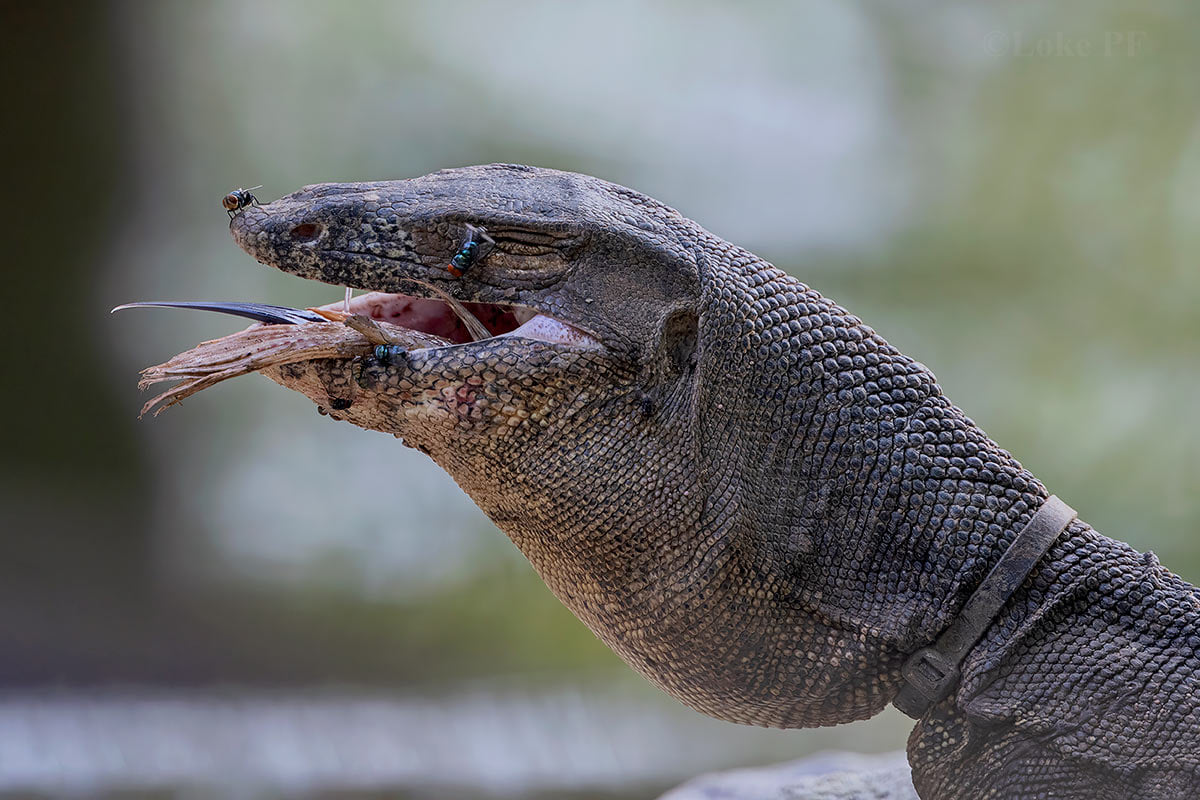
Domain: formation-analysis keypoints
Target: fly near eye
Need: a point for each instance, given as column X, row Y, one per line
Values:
column 473, row 249
column 464, row 258
column 238, row 199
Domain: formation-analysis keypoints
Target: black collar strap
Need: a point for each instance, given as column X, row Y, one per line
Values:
column 933, row 672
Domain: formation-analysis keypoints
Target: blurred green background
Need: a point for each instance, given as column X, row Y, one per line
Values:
column 242, row 594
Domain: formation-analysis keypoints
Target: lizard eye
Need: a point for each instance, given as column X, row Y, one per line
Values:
column 523, row 248
column 526, row 243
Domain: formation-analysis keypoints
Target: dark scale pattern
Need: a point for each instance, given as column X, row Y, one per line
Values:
column 747, row 493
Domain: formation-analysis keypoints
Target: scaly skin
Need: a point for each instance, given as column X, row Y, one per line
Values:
column 746, row 492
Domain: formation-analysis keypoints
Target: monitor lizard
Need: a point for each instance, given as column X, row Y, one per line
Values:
column 746, row 492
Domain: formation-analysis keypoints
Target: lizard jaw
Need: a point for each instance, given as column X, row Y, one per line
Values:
column 416, row 324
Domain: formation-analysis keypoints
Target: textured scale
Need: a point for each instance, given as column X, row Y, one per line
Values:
column 747, row 493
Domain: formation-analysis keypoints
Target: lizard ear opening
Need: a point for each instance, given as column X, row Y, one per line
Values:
column 680, row 338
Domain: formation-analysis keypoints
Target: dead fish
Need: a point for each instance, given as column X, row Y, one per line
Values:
column 287, row 336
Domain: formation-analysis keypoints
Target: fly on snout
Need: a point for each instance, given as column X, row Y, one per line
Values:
column 238, row 199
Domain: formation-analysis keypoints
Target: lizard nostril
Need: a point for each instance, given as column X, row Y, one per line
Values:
column 306, row 232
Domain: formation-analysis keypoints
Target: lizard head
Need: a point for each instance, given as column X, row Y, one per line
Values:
column 570, row 424
column 586, row 307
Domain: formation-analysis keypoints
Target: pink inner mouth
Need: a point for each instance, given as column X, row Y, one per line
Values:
column 432, row 316
column 436, row 317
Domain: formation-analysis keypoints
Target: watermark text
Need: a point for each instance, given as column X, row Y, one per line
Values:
column 1109, row 44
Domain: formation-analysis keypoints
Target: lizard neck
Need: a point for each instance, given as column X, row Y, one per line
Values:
column 843, row 512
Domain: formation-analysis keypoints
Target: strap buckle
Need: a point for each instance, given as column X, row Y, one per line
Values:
column 930, row 676
column 932, row 673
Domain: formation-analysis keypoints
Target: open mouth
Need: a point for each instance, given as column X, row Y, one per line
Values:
column 457, row 325
column 434, row 316
column 449, row 321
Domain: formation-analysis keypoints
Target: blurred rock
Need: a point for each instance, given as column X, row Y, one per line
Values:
column 824, row 776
